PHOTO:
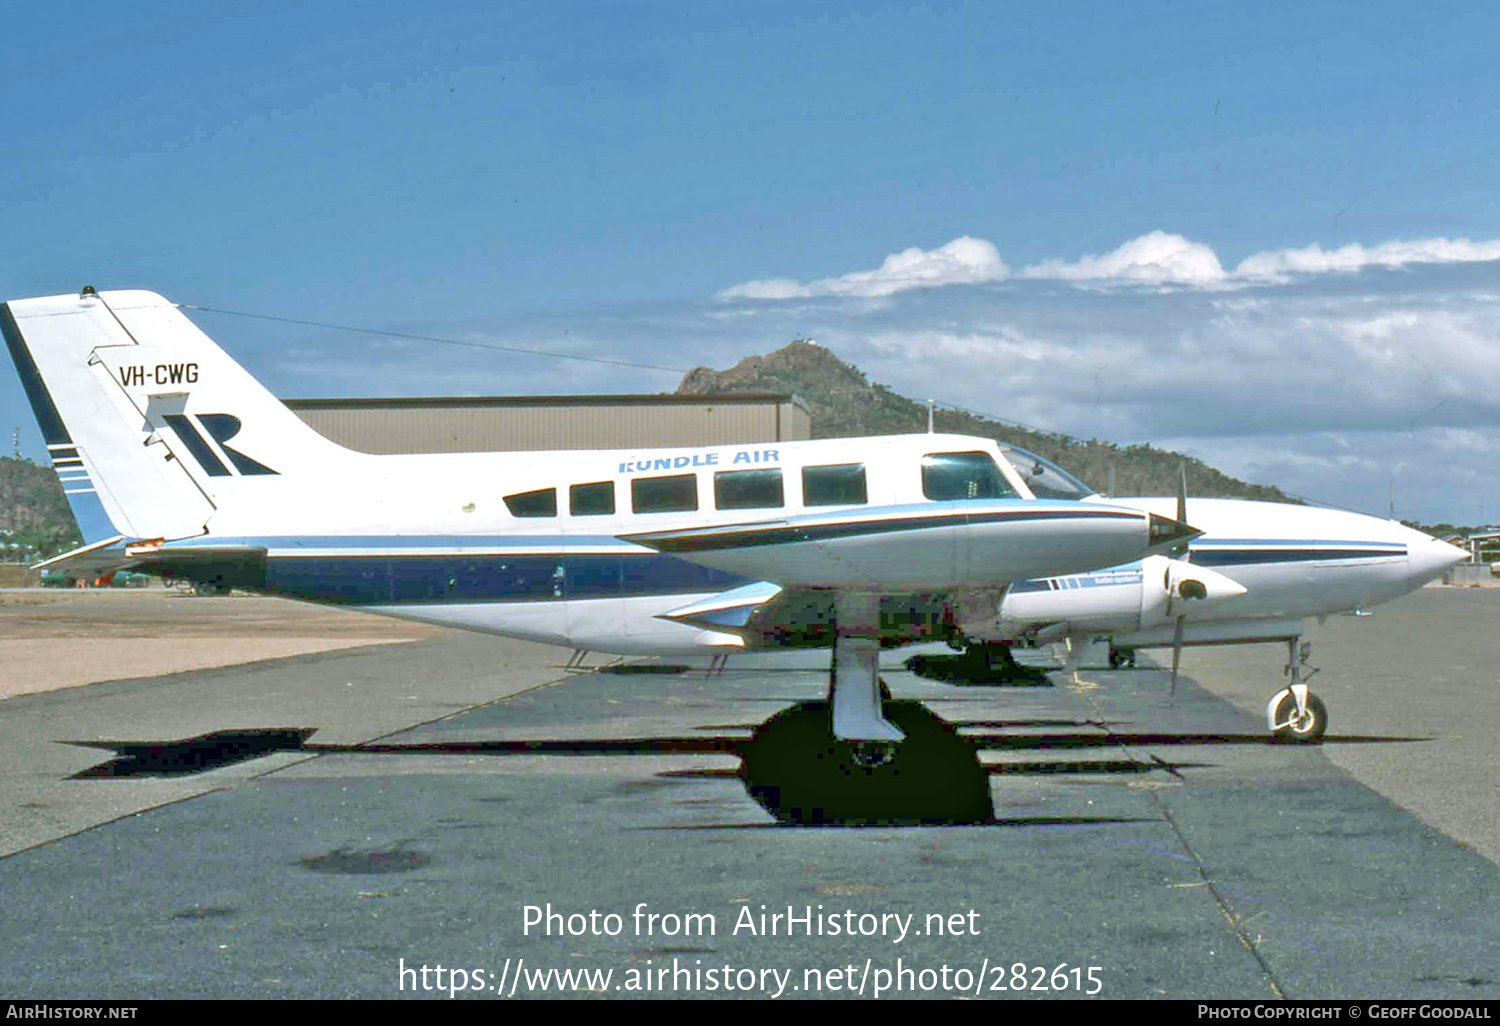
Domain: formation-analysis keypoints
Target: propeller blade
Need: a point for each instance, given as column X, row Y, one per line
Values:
column 1181, row 550
column 1177, row 654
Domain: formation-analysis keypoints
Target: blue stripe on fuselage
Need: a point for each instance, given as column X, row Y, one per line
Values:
column 409, row 543
column 1229, row 553
column 401, row 573
column 437, row 579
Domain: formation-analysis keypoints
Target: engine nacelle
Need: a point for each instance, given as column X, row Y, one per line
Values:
column 1136, row 597
column 1172, row 588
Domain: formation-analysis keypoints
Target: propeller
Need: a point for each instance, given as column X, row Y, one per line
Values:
column 1176, row 656
column 1182, row 547
column 1176, row 588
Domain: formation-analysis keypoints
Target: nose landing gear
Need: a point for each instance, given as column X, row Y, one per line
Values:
column 1294, row 713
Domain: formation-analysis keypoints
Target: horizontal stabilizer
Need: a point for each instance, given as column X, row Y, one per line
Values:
column 90, row 561
column 241, row 566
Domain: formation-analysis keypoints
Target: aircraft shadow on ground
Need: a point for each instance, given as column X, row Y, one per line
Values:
column 790, row 765
column 217, row 749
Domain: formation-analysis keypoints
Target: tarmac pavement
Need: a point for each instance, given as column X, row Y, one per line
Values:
column 1121, row 859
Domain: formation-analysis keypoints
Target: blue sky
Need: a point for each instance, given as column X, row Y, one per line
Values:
column 1267, row 235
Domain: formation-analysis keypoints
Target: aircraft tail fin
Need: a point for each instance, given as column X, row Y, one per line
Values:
column 149, row 424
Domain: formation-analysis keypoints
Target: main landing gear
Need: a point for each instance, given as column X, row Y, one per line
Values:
column 1294, row 713
column 859, row 758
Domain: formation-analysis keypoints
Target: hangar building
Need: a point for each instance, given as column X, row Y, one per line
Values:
column 531, row 423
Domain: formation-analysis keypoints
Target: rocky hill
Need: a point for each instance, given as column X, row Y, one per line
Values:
column 844, row 404
column 34, row 514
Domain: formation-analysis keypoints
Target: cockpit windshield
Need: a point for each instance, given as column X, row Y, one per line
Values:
column 1045, row 479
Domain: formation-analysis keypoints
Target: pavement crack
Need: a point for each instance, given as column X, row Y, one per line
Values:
column 1237, row 921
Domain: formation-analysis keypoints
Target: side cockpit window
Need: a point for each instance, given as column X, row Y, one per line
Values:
column 947, row 476
column 838, row 484
column 540, row 503
column 595, row 499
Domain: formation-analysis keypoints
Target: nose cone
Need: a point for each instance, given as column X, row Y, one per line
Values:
column 1199, row 582
column 1427, row 558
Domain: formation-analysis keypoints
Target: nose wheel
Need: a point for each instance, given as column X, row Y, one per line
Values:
column 1305, row 725
column 1294, row 713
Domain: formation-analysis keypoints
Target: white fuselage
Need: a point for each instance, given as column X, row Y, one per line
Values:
column 542, row 546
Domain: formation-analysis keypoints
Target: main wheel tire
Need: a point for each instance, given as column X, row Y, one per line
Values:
column 800, row 773
column 1308, row 729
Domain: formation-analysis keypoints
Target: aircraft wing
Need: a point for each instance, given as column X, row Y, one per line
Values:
column 928, row 568
column 924, row 548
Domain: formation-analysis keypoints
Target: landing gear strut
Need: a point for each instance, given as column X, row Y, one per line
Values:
column 861, row 758
column 1295, row 713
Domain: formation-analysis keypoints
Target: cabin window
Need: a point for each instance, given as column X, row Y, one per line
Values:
column 963, row 475
column 540, row 503
column 839, row 484
column 595, row 499
column 748, row 489
column 673, row 494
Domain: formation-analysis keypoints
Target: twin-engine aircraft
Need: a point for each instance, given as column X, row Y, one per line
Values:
column 176, row 461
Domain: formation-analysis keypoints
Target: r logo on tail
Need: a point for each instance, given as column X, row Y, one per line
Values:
column 222, row 427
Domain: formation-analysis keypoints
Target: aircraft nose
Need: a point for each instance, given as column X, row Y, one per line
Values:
column 1427, row 558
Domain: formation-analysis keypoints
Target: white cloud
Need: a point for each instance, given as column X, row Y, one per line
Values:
column 1155, row 258
column 1161, row 258
column 1280, row 265
column 965, row 260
